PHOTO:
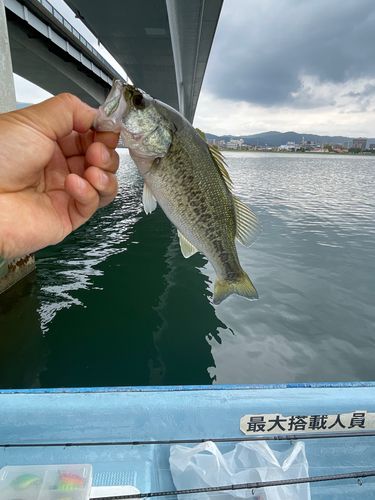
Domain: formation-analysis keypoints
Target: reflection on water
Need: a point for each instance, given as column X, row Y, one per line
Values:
column 23, row 352
column 72, row 265
column 313, row 267
column 188, row 321
column 117, row 304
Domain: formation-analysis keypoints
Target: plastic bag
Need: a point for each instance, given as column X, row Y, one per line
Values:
column 205, row 466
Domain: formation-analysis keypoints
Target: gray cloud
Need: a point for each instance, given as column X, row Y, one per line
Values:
column 363, row 98
column 368, row 91
column 262, row 49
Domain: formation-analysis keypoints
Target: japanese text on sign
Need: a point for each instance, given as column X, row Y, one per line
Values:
column 274, row 423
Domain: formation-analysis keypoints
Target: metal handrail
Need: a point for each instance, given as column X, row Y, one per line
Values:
column 47, row 5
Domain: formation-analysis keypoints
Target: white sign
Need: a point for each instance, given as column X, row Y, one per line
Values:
column 275, row 423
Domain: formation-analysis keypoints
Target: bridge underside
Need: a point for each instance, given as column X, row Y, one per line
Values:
column 163, row 45
column 51, row 67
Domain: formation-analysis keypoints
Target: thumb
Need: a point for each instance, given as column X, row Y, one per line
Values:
column 57, row 117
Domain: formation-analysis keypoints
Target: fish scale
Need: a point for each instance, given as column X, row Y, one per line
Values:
column 188, row 180
column 199, row 205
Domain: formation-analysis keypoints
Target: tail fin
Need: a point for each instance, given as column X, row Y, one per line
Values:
column 242, row 286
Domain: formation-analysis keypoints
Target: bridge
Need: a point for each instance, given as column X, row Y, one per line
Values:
column 162, row 45
column 48, row 51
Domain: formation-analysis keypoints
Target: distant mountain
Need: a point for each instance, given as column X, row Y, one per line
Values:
column 274, row 138
column 21, row 105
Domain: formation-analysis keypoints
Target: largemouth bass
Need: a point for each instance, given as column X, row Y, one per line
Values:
column 189, row 181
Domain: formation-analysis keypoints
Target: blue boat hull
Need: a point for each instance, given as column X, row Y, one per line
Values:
column 103, row 426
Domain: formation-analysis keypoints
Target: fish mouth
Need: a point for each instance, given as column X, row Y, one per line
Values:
column 108, row 118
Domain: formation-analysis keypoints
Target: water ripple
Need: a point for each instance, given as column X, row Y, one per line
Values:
column 123, row 307
column 313, row 267
column 104, row 235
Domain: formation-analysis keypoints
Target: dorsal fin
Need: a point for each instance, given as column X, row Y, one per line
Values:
column 201, row 133
column 247, row 223
column 219, row 160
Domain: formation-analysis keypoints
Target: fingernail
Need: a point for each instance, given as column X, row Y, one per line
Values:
column 103, row 178
column 105, row 156
column 81, row 183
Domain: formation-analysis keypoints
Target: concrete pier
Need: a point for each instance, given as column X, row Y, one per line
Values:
column 20, row 267
column 7, row 92
column 17, row 269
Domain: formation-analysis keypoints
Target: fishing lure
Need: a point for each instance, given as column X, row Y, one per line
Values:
column 69, row 481
column 62, row 486
column 25, row 481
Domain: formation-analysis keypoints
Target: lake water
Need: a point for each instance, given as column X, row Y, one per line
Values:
column 116, row 303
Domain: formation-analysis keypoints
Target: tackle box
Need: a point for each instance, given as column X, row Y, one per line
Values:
column 46, row 482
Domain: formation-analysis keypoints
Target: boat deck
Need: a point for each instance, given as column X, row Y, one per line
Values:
column 125, row 433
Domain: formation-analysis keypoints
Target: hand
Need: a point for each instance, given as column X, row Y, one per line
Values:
column 54, row 173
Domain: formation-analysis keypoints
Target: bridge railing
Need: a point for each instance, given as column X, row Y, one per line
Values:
column 76, row 33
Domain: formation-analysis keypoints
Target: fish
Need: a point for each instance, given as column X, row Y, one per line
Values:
column 188, row 179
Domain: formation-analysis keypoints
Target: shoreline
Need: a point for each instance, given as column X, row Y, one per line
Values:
column 295, row 152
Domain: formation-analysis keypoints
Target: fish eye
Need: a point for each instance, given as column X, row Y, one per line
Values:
column 138, row 101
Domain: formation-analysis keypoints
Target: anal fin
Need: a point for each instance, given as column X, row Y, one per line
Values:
column 187, row 248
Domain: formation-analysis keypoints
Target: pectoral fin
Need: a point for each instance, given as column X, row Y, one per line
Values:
column 148, row 199
column 248, row 225
column 187, row 248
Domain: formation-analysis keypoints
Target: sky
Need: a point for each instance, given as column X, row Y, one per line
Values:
column 284, row 65
column 300, row 65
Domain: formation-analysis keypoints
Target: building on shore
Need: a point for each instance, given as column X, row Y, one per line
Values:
column 309, row 145
column 239, row 144
column 215, row 142
column 289, row 146
column 234, row 144
column 360, row 143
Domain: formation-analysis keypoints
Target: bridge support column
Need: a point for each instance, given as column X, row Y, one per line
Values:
column 17, row 268
column 7, row 92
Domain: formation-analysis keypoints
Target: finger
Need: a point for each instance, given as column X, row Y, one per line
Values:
column 85, row 199
column 99, row 155
column 76, row 144
column 105, row 184
column 77, row 165
column 110, row 139
column 58, row 116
